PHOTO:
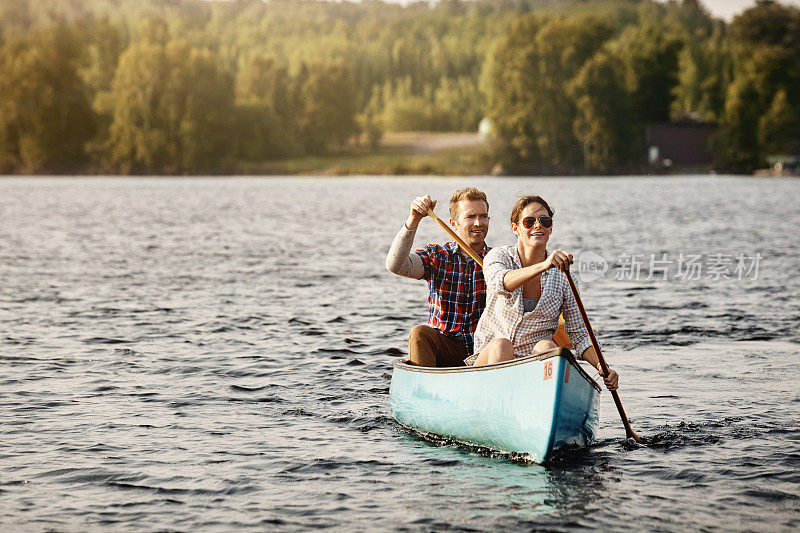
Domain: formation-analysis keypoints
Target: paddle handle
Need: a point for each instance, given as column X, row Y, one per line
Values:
column 628, row 430
column 464, row 246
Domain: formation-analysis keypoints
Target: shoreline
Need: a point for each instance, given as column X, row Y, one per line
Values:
column 434, row 154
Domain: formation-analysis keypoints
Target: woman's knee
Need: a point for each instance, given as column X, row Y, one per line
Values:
column 502, row 350
column 503, row 345
column 544, row 345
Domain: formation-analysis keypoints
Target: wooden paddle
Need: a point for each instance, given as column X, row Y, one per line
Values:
column 628, row 430
column 464, row 246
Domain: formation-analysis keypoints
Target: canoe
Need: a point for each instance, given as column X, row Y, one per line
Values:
column 531, row 406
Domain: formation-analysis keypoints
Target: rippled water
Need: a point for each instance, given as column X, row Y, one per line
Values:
column 189, row 354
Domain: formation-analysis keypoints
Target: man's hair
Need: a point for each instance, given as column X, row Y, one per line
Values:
column 524, row 202
column 468, row 193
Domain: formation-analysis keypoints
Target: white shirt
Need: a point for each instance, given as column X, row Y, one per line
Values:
column 504, row 316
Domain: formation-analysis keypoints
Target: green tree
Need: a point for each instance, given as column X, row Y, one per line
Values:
column 264, row 111
column 651, row 58
column 605, row 113
column 704, row 72
column 779, row 127
column 172, row 110
column 761, row 111
column 459, row 104
column 370, row 121
column 325, row 112
column 507, row 78
column 405, row 110
column 45, row 117
column 104, row 44
column 525, row 82
column 736, row 146
column 417, row 66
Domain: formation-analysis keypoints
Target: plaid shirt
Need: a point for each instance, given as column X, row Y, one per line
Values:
column 457, row 290
column 505, row 317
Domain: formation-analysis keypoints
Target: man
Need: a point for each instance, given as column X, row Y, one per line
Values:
column 457, row 289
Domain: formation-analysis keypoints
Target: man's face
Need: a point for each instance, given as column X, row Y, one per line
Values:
column 472, row 222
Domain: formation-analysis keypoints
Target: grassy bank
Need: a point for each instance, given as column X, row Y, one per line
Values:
column 408, row 153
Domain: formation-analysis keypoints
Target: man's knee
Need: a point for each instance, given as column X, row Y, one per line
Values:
column 422, row 346
column 420, row 332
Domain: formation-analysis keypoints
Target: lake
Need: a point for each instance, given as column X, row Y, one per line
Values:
column 215, row 354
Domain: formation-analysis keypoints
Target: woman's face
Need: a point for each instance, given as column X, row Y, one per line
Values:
column 536, row 234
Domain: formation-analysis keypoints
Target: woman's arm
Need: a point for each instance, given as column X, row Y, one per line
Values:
column 514, row 279
column 581, row 342
column 612, row 379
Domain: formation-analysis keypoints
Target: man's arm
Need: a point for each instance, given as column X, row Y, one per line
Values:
column 399, row 261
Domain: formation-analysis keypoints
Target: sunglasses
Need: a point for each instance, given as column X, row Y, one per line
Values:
column 544, row 221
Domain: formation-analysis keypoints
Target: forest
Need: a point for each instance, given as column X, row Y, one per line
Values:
column 205, row 87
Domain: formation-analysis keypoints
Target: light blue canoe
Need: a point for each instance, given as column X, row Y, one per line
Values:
column 533, row 405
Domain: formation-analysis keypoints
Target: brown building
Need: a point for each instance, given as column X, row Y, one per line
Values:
column 679, row 143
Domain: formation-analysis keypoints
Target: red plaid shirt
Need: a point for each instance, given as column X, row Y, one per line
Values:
column 457, row 290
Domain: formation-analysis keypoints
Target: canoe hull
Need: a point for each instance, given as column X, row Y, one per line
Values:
column 532, row 406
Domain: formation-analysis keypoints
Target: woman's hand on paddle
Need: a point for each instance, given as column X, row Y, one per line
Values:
column 611, row 380
column 419, row 210
column 560, row 260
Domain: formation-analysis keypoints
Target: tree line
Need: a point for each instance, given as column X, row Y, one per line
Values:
column 576, row 92
column 188, row 86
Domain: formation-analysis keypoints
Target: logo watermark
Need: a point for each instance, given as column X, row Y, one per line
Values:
column 591, row 266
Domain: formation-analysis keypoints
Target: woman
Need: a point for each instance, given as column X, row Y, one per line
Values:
column 526, row 291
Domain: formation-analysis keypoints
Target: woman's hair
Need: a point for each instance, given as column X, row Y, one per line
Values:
column 523, row 202
column 469, row 193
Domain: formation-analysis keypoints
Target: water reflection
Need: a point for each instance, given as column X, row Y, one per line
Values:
column 491, row 485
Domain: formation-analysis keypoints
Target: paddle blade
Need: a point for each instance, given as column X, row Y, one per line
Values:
column 561, row 338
